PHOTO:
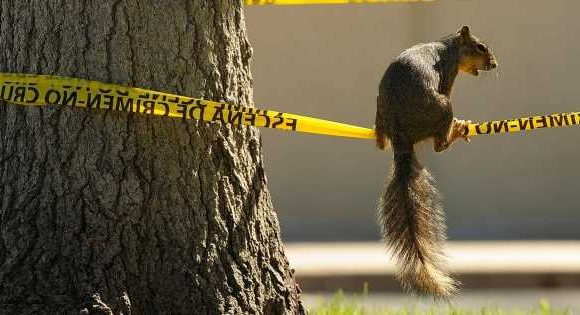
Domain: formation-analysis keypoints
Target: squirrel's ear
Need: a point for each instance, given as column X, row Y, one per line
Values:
column 464, row 32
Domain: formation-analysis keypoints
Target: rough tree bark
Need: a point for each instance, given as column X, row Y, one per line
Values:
column 106, row 212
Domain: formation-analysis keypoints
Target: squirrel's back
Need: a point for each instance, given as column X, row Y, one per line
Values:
column 415, row 70
column 410, row 87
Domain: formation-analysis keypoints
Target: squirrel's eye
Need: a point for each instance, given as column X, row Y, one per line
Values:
column 481, row 48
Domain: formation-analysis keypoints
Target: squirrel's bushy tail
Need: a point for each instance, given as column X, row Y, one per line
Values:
column 414, row 226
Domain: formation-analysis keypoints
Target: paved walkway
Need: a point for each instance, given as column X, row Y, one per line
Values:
column 510, row 264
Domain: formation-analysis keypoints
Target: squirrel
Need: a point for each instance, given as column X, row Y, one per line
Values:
column 414, row 105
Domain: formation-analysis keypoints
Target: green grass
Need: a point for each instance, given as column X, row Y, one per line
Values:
column 340, row 304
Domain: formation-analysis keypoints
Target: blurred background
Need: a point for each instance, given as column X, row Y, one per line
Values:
column 326, row 61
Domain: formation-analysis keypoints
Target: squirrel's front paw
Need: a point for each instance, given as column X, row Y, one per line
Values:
column 460, row 129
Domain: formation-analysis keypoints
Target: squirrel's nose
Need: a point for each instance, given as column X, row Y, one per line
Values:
column 493, row 64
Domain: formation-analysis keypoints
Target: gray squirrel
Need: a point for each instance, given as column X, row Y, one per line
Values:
column 414, row 105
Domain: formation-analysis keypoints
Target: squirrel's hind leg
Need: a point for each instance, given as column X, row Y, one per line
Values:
column 383, row 143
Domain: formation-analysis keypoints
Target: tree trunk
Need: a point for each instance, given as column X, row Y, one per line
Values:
column 106, row 212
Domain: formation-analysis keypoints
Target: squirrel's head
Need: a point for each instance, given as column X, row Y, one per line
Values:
column 474, row 55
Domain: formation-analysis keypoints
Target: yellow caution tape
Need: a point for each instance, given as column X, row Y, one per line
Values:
column 523, row 124
column 27, row 89
column 36, row 90
column 312, row 2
